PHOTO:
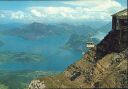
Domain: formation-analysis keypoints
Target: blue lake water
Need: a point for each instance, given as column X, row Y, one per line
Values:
column 55, row 58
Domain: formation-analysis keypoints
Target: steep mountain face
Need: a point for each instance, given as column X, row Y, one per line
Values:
column 102, row 67
column 77, row 42
column 78, row 39
column 115, row 41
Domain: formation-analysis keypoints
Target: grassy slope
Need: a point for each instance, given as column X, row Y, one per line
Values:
column 105, row 73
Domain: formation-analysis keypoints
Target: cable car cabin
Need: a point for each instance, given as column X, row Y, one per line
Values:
column 90, row 45
column 120, row 20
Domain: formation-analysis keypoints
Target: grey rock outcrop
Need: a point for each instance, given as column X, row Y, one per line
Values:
column 36, row 84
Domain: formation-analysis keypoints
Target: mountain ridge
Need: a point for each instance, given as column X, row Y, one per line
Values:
column 37, row 30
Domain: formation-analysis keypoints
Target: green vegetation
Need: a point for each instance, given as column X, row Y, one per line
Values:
column 2, row 86
column 21, row 79
column 22, row 57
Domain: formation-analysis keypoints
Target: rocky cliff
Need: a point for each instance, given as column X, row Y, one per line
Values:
column 102, row 67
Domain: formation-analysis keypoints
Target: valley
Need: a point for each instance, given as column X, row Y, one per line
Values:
column 40, row 47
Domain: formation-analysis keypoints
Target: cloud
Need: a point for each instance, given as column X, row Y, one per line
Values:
column 36, row 12
column 107, row 6
column 17, row 15
column 73, row 11
column 2, row 15
column 10, row 14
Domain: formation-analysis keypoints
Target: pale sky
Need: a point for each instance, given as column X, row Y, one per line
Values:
column 59, row 11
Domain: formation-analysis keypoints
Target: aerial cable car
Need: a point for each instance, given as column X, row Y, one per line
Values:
column 90, row 43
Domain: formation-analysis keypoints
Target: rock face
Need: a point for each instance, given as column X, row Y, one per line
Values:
column 102, row 67
column 115, row 41
column 36, row 84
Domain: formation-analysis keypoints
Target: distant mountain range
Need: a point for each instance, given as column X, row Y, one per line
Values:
column 78, row 41
column 106, row 28
column 38, row 30
column 78, row 33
